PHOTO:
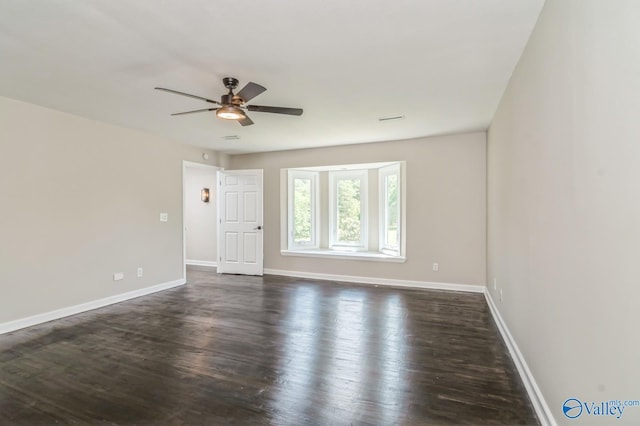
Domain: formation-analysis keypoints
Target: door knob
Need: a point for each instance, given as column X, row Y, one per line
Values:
column 259, row 227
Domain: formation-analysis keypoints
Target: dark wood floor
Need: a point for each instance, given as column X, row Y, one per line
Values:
column 273, row 350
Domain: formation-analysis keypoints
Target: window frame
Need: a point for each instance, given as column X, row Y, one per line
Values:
column 334, row 178
column 322, row 248
column 313, row 176
column 383, row 173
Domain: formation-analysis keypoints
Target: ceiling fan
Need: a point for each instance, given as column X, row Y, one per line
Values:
column 232, row 106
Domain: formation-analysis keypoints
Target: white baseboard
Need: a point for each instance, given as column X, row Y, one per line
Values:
column 379, row 281
column 10, row 326
column 201, row 263
column 537, row 399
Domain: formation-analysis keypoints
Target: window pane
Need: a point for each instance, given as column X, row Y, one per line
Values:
column 302, row 210
column 349, row 226
column 391, row 210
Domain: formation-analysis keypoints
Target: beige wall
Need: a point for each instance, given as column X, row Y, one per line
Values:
column 445, row 207
column 564, row 204
column 81, row 200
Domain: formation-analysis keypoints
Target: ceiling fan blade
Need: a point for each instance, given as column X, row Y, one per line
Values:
column 246, row 121
column 250, row 91
column 198, row 110
column 186, row 94
column 275, row 110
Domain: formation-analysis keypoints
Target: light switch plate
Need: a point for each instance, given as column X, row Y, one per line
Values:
column 164, row 217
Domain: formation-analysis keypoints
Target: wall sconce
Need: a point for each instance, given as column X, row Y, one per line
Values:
column 204, row 195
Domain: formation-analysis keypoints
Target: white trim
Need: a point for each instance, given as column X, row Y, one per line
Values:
column 467, row 288
column 535, row 394
column 194, row 165
column 10, row 326
column 202, row 263
column 344, row 167
column 383, row 213
column 345, row 255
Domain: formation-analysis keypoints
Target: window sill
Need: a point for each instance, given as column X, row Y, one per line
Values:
column 345, row 255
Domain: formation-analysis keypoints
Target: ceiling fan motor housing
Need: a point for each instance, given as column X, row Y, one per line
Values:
column 230, row 83
column 231, row 100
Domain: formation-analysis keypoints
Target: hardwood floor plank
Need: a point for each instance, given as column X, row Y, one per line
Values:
column 228, row 349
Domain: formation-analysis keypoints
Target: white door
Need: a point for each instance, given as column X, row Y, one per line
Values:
column 240, row 222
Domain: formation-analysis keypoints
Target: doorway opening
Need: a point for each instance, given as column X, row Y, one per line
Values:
column 199, row 215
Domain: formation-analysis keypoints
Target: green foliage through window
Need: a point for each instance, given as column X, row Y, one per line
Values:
column 302, row 211
column 349, row 214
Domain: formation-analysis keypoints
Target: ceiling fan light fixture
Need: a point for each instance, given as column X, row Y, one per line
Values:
column 230, row 113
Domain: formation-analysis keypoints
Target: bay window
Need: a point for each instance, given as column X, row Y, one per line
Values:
column 346, row 211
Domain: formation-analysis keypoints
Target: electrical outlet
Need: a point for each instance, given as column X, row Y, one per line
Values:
column 164, row 217
column 435, row 267
column 495, row 284
column 501, row 298
column 117, row 276
column 139, row 272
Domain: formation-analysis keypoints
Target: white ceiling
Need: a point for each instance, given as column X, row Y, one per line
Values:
column 443, row 64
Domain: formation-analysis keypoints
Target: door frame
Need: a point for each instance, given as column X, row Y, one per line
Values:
column 190, row 165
